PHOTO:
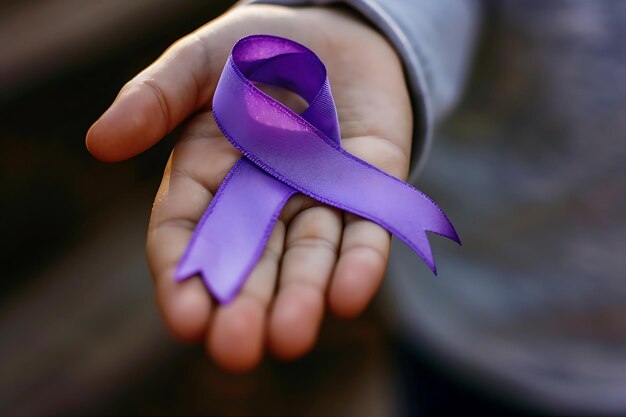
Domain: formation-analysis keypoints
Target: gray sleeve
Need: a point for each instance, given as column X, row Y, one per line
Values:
column 435, row 39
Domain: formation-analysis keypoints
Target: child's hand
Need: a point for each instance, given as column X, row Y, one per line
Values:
column 316, row 254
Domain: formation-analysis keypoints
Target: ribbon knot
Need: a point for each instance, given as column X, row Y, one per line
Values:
column 285, row 153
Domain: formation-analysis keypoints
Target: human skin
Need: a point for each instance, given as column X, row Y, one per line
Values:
column 317, row 256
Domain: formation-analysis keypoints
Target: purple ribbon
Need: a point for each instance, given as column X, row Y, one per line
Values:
column 285, row 153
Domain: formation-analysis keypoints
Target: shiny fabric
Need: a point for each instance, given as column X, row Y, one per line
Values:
column 285, row 153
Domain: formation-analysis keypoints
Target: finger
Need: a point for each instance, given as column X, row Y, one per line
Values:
column 380, row 152
column 237, row 335
column 360, row 268
column 185, row 306
column 365, row 245
column 182, row 198
column 311, row 251
column 154, row 102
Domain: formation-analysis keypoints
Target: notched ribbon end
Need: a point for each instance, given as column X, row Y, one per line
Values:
column 449, row 233
column 223, row 295
column 454, row 235
column 445, row 229
column 185, row 270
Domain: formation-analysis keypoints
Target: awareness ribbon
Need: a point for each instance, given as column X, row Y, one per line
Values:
column 285, row 153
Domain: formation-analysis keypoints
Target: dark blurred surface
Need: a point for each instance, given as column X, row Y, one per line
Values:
column 80, row 332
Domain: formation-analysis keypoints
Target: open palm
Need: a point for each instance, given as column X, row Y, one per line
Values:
column 317, row 255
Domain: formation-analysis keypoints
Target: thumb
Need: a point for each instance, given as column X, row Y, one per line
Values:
column 154, row 102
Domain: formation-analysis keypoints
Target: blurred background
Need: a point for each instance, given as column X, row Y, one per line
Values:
column 79, row 331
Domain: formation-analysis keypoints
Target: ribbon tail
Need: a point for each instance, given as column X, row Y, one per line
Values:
column 234, row 230
column 436, row 223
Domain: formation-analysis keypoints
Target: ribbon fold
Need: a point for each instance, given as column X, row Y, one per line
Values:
column 285, row 153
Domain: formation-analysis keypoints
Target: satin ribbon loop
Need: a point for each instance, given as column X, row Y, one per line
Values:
column 285, row 153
